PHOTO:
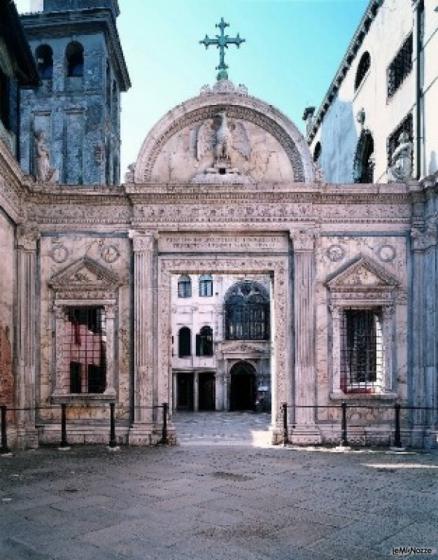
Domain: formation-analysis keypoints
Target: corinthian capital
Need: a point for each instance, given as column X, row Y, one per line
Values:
column 27, row 236
column 143, row 241
column 304, row 239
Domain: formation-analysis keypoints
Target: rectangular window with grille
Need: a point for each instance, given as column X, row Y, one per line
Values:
column 407, row 125
column 84, row 346
column 400, row 67
column 362, row 350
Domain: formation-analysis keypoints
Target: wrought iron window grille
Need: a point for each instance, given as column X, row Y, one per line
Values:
column 400, row 67
column 362, row 352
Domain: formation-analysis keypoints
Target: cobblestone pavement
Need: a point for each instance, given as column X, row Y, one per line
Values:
column 222, row 499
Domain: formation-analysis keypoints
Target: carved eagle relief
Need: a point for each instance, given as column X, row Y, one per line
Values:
column 218, row 136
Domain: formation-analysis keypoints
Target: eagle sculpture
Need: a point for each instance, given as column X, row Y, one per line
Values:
column 219, row 137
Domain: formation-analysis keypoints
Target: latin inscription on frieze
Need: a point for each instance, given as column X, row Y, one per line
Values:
column 218, row 243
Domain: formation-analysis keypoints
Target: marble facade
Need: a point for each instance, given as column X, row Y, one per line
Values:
column 323, row 247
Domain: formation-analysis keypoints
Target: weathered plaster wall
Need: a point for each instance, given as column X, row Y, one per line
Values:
column 7, row 284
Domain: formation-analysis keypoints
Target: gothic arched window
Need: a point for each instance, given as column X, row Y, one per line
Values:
column 247, row 312
column 206, row 285
column 74, row 56
column 362, row 69
column 44, row 59
column 184, row 342
column 363, row 171
column 184, row 287
column 204, row 342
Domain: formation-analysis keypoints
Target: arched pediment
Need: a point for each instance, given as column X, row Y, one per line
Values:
column 262, row 144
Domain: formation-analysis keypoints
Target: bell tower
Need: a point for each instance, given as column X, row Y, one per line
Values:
column 77, row 104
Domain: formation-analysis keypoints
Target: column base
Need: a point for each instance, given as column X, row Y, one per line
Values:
column 141, row 434
column 305, row 435
column 27, row 438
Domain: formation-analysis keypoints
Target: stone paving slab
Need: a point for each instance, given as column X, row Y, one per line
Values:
column 215, row 502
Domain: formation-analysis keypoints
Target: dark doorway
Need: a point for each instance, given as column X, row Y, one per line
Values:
column 243, row 387
column 185, row 391
column 206, row 391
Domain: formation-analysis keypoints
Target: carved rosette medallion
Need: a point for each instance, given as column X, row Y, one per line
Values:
column 59, row 253
column 110, row 253
column 335, row 253
column 386, row 253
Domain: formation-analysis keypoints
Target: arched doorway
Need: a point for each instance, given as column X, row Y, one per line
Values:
column 243, row 388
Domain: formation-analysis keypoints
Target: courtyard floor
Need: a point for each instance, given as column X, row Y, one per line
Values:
column 223, row 493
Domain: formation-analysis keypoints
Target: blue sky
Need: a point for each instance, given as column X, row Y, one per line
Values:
column 292, row 50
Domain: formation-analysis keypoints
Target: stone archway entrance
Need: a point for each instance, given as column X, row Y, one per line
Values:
column 243, row 387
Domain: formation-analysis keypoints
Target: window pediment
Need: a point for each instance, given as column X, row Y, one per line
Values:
column 362, row 274
column 85, row 276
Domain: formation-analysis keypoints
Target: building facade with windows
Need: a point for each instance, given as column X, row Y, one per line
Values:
column 222, row 274
column 221, row 342
column 386, row 85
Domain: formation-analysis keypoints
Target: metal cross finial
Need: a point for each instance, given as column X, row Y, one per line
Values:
column 222, row 41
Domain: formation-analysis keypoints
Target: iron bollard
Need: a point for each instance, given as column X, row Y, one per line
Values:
column 4, row 450
column 64, row 442
column 165, row 437
column 397, row 434
column 285, row 429
column 344, row 439
column 113, row 441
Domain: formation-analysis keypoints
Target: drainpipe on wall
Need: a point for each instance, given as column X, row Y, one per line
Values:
column 419, row 12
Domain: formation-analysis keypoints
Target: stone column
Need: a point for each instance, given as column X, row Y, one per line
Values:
column 336, row 313
column 110, row 312
column 145, row 289
column 196, row 391
column 388, row 347
column 305, row 430
column 424, row 306
column 421, row 241
column 27, row 240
